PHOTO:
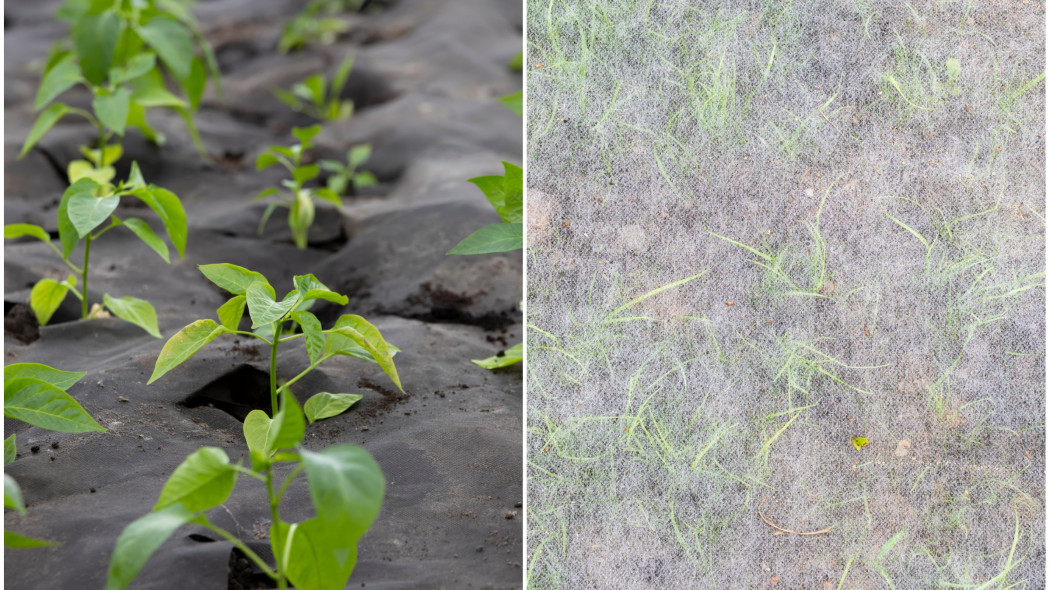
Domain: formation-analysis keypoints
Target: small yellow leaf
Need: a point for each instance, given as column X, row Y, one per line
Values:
column 860, row 442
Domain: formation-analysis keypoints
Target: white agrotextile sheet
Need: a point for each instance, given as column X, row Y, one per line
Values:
column 786, row 294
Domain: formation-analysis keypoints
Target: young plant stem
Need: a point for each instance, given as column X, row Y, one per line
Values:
column 84, row 277
column 282, row 583
column 303, row 374
column 240, row 545
column 273, row 369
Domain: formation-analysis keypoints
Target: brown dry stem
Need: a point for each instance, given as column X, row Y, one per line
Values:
column 781, row 530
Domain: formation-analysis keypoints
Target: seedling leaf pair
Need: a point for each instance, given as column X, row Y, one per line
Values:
column 299, row 200
column 36, row 394
column 351, row 335
column 85, row 206
column 113, row 52
column 345, row 176
column 505, row 193
column 319, row 99
column 346, row 487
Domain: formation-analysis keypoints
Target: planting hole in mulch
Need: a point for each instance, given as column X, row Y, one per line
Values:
column 244, row 575
column 237, row 393
column 20, row 322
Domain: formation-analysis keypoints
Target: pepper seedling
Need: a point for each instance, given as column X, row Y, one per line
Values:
column 345, row 482
column 298, row 200
column 116, row 50
column 352, row 335
column 85, row 205
column 346, row 488
column 317, row 98
column 36, row 394
column 505, row 194
column 345, row 176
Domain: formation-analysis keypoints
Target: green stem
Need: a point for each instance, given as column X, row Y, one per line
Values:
column 305, row 371
column 288, row 481
column 240, row 545
column 273, row 369
column 252, row 334
column 282, row 582
column 84, row 277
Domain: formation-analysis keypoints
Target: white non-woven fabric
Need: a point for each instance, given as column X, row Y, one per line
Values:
column 758, row 231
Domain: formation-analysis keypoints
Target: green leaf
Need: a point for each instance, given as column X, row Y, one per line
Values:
column 17, row 230
column 139, row 540
column 859, row 442
column 136, row 66
column 265, row 193
column 112, row 109
column 168, row 207
column 338, row 184
column 10, row 449
column 511, row 356
column 145, row 233
column 492, row 187
column 172, row 42
column 256, row 429
column 263, row 306
column 305, row 173
column 513, row 102
column 67, row 233
column 513, row 194
column 87, row 211
column 346, row 486
column 204, row 480
column 306, row 134
column 265, row 160
column 341, row 76
column 110, row 154
column 289, row 99
column 313, row 335
column 137, row 119
column 135, row 311
column 309, row 287
column 284, row 431
column 95, row 39
column 155, row 96
column 13, row 495
column 194, row 83
column 16, row 541
column 301, row 217
column 45, row 298
column 78, row 169
column 233, row 278
column 63, row 76
column 43, row 124
column 231, row 312
column 135, row 179
column 185, row 344
column 358, row 155
column 359, row 330
column 312, row 89
column 45, row 406
column 345, row 346
column 318, row 556
column 327, row 194
column 325, row 405
column 60, row 379
column 498, row 237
